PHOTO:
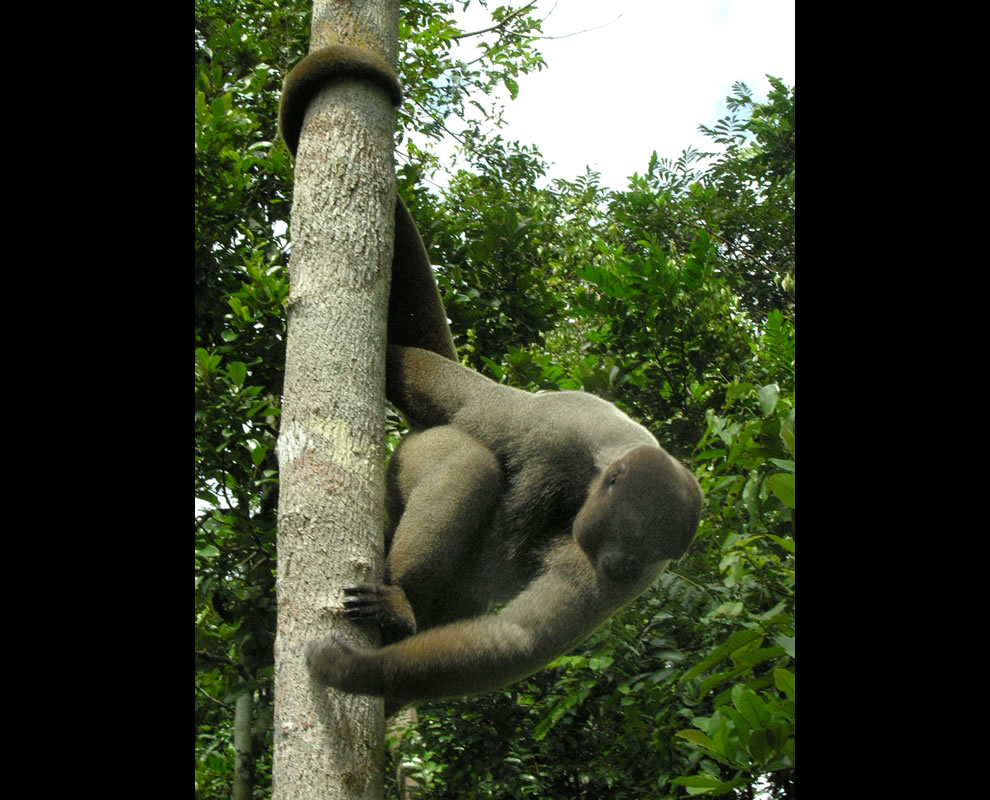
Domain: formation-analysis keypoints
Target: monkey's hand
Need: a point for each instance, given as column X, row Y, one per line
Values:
column 333, row 662
column 384, row 606
column 329, row 660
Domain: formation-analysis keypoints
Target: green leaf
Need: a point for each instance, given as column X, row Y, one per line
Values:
column 706, row 784
column 784, row 541
column 787, row 432
column 497, row 372
column 237, row 372
column 258, row 451
column 752, row 657
column 787, row 642
column 784, row 679
column 562, row 707
column 699, row 781
column 698, row 739
column 767, row 396
column 718, row 678
column 749, row 704
column 716, row 452
column 220, row 106
column 730, row 609
column 782, row 485
column 737, row 390
column 750, row 493
column 736, row 641
column 206, row 362
column 759, row 746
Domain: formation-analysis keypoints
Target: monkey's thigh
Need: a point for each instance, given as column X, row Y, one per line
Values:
column 444, row 486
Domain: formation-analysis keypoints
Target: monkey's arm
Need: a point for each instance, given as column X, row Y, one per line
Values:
column 554, row 613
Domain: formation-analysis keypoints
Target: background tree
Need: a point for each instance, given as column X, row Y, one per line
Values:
column 241, row 214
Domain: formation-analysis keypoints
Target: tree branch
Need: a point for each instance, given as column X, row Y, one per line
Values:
column 213, row 699
column 501, row 24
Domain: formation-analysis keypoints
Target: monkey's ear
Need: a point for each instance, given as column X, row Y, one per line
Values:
column 317, row 70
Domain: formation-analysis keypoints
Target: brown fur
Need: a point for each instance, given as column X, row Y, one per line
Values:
column 322, row 67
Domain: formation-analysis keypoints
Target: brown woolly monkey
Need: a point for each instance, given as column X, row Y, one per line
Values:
column 519, row 522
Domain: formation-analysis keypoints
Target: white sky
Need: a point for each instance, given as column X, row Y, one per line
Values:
column 644, row 79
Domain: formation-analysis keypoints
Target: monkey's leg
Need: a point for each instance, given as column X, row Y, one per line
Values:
column 432, row 390
column 447, row 485
column 442, row 487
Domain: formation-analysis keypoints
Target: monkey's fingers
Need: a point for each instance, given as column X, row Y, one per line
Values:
column 359, row 589
column 372, row 612
column 364, row 600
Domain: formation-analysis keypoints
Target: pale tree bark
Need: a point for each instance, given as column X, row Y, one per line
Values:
column 331, row 439
column 243, row 749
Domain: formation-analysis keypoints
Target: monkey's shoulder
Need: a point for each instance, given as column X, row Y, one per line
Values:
column 585, row 418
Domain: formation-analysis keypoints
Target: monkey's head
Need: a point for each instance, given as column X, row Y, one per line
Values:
column 642, row 509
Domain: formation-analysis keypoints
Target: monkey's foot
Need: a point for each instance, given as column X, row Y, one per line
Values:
column 365, row 602
column 384, row 606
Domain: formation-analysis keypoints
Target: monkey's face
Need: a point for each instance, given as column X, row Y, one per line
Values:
column 641, row 510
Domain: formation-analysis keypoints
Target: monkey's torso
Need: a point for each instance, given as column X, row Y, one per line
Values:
column 530, row 460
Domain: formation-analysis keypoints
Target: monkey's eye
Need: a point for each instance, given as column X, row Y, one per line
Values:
column 612, row 479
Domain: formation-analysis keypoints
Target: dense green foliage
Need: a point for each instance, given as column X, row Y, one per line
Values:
column 673, row 298
column 242, row 187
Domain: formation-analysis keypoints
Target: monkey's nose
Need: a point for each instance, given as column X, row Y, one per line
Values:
column 618, row 567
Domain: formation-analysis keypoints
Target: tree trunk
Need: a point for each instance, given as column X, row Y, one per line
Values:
column 243, row 748
column 331, row 440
